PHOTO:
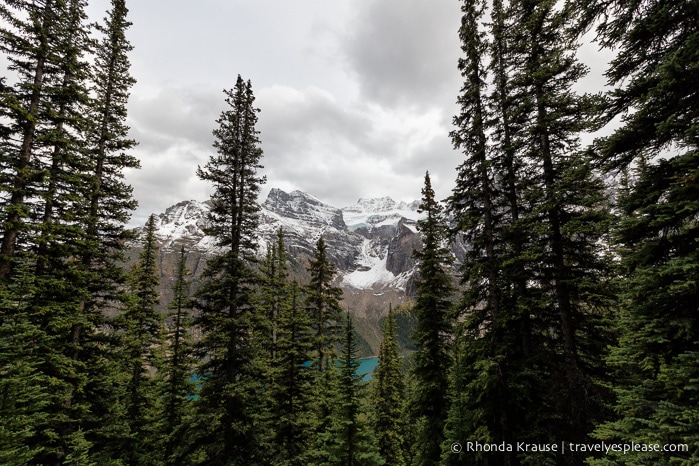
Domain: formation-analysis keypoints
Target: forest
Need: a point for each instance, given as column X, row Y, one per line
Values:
column 568, row 335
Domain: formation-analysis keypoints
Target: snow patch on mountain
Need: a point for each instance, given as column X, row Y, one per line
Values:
column 184, row 220
column 374, row 213
column 366, row 240
column 300, row 214
column 371, row 270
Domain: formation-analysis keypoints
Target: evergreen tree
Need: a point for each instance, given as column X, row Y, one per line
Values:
column 274, row 290
column 473, row 202
column 48, row 172
column 536, row 281
column 434, row 291
column 323, row 302
column 30, row 37
column 387, row 397
column 291, row 390
column 656, row 95
column 348, row 440
column 109, row 199
column 108, row 204
column 411, row 426
column 288, row 342
column 179, row 366
column 43, row 166
column 24, row 388
column 45, row 173
column 479, row 395
column 563, row 220
column 142, row 341
column 230, row 396
column 323, row 305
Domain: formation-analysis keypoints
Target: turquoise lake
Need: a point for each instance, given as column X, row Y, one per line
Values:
column 366, row 367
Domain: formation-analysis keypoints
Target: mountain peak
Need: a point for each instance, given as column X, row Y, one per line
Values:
column 372, row 205
column 184, row 215
column 301, row 206
column 277, row 197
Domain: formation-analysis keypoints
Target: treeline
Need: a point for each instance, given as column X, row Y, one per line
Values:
column 575, row 319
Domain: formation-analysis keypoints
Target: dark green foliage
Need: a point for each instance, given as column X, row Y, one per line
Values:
column 231, row 395
column 405, row 326
column 47, row 173
column 274, row 290
column 141, row 343
column 43, row 164
column 109, row 199
column 348, row 439
column 657, row 97
column 411, row 427
column 289, row 342
column 522, row 356
column 53, row 219
column 433, row 330
column 484, row 204
column 24, row 388
column 387, row 396
column 291, row 389
column 535, row 310
column 107, row 204
column 178, row 368
column 33, row 54
column 323, row 302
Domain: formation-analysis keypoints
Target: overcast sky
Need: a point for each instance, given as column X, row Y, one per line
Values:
column 356, row 96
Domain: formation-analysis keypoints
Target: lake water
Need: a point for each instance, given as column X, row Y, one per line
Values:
column 366, row 367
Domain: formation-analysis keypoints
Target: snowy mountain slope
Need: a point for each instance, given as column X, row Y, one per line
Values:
column 370, row 242
column 366, row 240
column 373, row 213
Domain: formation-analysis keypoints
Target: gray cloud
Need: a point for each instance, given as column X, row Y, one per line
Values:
column 404, row 51
column 171, row 115
column 356, row 98
column 340, row 152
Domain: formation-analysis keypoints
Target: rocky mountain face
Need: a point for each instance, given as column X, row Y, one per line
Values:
column 370, row 242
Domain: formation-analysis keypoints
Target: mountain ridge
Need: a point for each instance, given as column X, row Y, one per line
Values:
column 370, row 242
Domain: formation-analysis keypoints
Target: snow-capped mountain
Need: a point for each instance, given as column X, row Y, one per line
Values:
column 364, row 240
column 371, row 243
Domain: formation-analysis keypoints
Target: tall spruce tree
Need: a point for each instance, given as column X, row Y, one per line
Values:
column 287, row 345
column 274, row 290
column 433, row 301
column 537, row 295
column 108, row 204
column 30, row 39
column 387, row 397
column 564, row 219
column 348, row 439
column 291, row 389
column 141, row 343
column 484, row 356
column 178, row 368
column 45, row 172
column 656, row 94
column 473, row 202
column 230, row 397
column 323, row 302
column 46, row 43
column 109, row 198
column 48, row 171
